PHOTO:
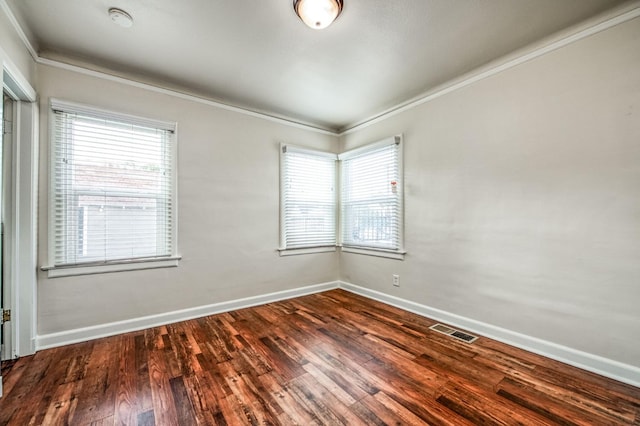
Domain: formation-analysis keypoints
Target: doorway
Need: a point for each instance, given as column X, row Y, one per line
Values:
column 6, row 185
column 19, row 243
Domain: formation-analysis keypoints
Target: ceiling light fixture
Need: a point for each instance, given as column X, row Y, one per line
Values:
column 120, row 17
column 317, row 14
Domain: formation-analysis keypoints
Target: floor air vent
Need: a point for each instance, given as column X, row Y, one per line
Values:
column 440, row 328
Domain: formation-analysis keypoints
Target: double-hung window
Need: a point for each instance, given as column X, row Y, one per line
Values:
column 307, row 200
column 371, row 204
column 366, row 214
column 112, row 194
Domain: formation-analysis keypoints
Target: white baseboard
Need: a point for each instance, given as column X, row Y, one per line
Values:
column 46, row 341
column 596, row 364
column 605, row 367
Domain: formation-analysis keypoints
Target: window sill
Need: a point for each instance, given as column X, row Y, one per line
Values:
column 103, row 268
column 308, row 250
column 398, row 255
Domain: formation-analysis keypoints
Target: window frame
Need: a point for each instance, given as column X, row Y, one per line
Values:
column 400, row 252
column 397, row 254
column 291, row 251
column 119, row 265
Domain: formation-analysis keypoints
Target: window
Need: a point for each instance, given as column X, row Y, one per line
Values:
column 112, row 196
column 308, row 200
column 371, row 207
column 370, row 195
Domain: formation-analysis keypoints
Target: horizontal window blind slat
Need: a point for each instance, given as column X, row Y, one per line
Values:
column 370, row 197
column 308, row 198
column 112, row 186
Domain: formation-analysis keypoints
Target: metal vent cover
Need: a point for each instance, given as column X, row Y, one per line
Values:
column 441, row 328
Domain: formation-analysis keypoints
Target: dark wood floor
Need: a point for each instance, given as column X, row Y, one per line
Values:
column 331, row 358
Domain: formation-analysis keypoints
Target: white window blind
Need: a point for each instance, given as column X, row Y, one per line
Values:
column 371, row 196
column 112, row 187
column 308, row 198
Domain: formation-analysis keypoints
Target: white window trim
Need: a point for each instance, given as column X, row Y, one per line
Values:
column 120, row 265
column 306, row 250
column 116, row 266
column 371, row 251
column 389, row 254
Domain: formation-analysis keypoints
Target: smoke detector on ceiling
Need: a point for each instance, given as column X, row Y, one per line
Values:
column 120, row 17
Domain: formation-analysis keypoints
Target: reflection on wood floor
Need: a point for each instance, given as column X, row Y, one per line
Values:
column 330, row 358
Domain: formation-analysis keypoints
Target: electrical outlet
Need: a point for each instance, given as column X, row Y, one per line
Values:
column 396, row 280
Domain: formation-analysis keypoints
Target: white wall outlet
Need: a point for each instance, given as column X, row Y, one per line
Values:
column 396, row 280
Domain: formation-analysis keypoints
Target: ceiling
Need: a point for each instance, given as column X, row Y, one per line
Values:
column 257, row 54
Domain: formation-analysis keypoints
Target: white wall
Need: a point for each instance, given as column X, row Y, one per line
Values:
column 522, row 199
column 228, row 206
column 12, row 49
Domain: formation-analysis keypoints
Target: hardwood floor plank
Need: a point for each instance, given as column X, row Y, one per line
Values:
column 410, row 418
column 143, row 387
column 346, row 377
column 331, row 358
column 201, row 402
column 386, row 415
column 480, row 407
column 163, row 403
column 126, row 401
column 598, row 406
column 237, row 404
column 530, row 398
column 250, row 391
column 589, row 384
column 23, row 385
column 412, row 392
column 449, row 367
column 17, row 366
column 281, row 393
column 303, row 392
column 62, row 405
column 282, row 363
column 184, row 409
column 51, row 379
column 217, row 340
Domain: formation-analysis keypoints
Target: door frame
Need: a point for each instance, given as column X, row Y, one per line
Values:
column 6, row 203
column 24, row 189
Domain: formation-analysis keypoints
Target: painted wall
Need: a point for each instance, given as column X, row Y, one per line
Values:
column 522, row 198
column 228, row 206
column 13, row 50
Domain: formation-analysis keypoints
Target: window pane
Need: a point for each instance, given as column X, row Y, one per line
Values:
column 371, row 198
column 308, row 199
column 112, row 189
column 117, row 228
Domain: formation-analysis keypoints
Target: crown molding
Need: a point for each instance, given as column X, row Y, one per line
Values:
column 177, row 94
column 575, row 33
